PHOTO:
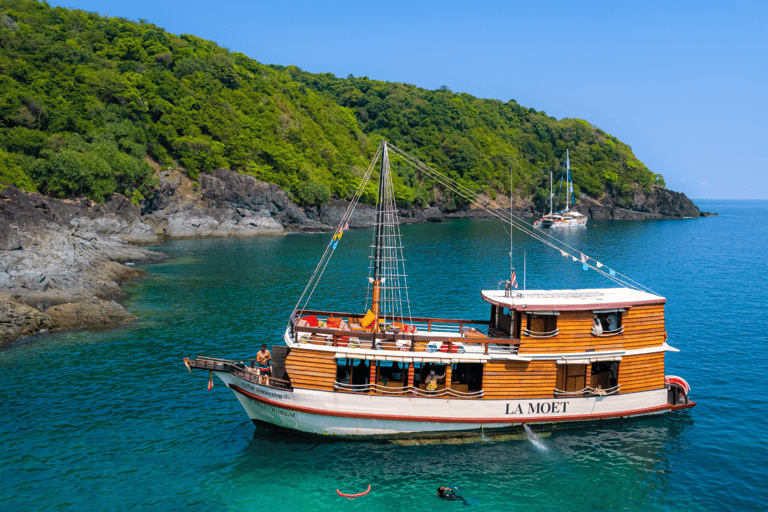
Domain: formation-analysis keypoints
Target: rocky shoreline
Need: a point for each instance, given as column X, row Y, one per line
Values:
column 62, row 263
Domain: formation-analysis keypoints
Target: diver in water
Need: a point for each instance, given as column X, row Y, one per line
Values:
column 449, row 494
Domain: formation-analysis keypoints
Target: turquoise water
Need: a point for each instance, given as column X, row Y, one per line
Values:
column 112, row 420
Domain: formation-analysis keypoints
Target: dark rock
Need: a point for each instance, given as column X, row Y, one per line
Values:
column 89, row 314
column 660, row 203
column 19, row 319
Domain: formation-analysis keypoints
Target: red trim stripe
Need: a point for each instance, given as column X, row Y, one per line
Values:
column 437, row 419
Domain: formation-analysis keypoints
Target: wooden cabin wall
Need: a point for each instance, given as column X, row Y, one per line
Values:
column 641, row 373
column 519, row 379
column 643, row 327
column 311, row 369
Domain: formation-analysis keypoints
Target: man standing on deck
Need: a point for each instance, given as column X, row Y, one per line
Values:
column 264, row 358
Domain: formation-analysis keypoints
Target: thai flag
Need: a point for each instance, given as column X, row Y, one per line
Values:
column 514, row 279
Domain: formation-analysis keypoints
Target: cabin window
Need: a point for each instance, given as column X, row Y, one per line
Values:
column 541, row 325
column 467, row 377
column 605, row 374
column 571, row 377
column 607, row 323
column 391, row 374
column 352, row 374
column 505, row 320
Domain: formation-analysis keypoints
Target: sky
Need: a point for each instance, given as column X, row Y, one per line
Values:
column 684, row 83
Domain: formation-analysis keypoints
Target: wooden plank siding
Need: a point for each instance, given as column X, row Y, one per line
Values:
column 641, row 373
column 643, row 327
column 519, row 379
column 311, row 369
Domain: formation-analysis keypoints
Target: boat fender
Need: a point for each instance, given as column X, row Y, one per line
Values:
column 355, row 495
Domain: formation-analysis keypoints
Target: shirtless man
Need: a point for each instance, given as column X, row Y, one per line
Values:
column 263, row 357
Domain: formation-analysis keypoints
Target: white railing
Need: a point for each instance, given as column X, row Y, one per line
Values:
column 408, row 390
column 589, row 392
column 606, row 334
column 534, row 334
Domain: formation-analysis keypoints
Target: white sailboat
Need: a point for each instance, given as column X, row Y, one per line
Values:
column 565, row 218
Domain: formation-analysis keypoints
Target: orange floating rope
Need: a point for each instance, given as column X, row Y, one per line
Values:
column 355, row 495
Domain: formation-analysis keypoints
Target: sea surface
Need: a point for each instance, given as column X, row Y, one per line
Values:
column 112, row 420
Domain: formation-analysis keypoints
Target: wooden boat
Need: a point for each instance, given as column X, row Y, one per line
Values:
column 565, row 218
column 540, row 356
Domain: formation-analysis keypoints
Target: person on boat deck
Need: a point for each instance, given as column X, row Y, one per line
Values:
column 598, row 327
column 613, row 322
column 264, row 358
column 431, row 381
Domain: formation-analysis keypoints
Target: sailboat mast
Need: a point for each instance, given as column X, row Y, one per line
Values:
column 567, row 178
column 551, row 194
column 570, row 179
column 378, row 259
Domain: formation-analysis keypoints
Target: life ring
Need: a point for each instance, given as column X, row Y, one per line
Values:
column 355, row 495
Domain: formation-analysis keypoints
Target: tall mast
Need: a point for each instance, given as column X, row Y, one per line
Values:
column 567, row 178
column 379, row 237
column 570, row 181
column 551, row 194
column 511, row 231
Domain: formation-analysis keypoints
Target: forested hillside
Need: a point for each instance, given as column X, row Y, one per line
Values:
column 87, row 100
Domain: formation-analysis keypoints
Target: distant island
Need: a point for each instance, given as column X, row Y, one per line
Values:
column 115, row 133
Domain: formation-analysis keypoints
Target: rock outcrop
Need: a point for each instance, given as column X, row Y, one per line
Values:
column 55, row 252
column 224, row 204
column 660, row 203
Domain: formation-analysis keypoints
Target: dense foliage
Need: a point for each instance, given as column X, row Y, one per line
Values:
column 86, row 102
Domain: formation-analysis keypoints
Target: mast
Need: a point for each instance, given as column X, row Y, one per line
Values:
column 570, row 181
column 550, row 192
column 567, row 178
column 511, row 233
column 378, row 259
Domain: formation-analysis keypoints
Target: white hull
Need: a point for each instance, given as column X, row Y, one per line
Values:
column 346, row 414
column 569, row 223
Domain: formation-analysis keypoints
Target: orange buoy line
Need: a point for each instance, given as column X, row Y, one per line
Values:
column 355, row 495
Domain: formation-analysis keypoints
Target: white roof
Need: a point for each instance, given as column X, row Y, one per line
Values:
column 570, row 300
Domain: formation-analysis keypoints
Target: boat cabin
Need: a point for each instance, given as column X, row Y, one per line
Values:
column 536, row 344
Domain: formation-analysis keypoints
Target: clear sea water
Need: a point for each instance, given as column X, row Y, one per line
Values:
column 110, row 420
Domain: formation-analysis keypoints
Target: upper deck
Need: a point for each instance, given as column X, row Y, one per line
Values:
column 570, row 300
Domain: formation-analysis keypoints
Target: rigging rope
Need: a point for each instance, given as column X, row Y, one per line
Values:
column 392, row 235
column 518, row 223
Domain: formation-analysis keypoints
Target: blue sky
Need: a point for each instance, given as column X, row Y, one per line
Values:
column 684, row 83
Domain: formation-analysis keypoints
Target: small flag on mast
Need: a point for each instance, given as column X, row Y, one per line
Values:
column 514, row 279
column 584, row 261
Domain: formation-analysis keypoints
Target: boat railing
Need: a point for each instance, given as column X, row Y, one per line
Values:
column 405, row 390
column 607, row 334
column 588, row 391
column 454, row 335
column 238, row 369
column 535, row 334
